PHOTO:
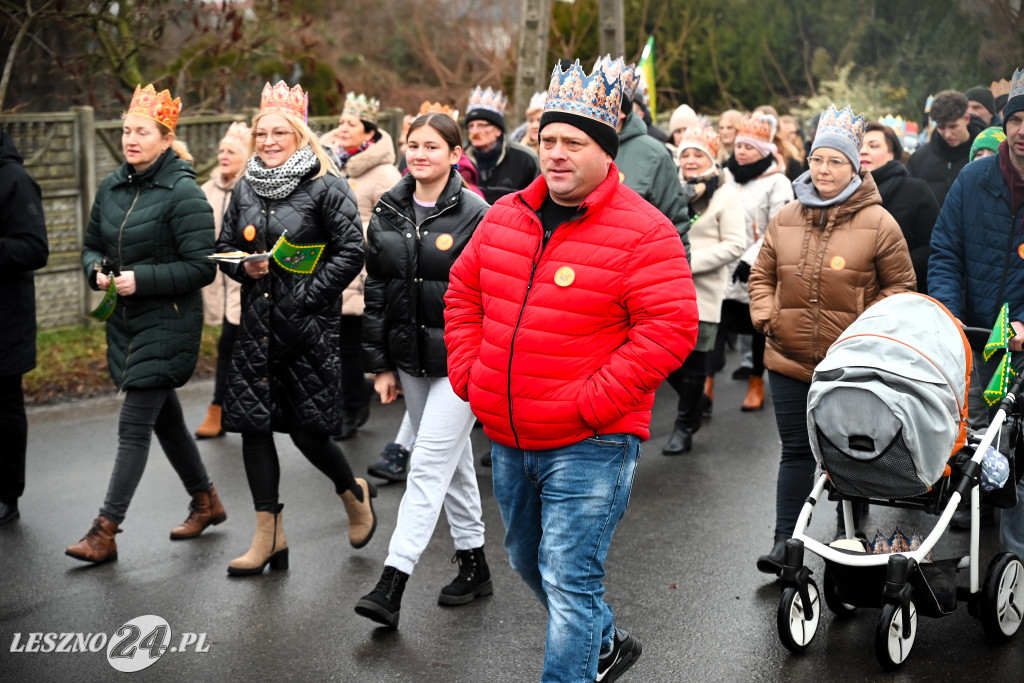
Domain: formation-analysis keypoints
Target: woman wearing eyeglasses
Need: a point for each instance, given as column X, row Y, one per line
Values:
column 826, row 258
column 285, row 367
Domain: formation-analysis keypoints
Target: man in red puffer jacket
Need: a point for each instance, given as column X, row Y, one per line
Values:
column 570, row 305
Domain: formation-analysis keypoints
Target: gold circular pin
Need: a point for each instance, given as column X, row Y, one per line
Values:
column 837, row 263
column 564, row 276
column 249, row 233
column 444, row 242
column 1020, row 251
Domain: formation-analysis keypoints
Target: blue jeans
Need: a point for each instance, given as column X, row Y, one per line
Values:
column 560, row 508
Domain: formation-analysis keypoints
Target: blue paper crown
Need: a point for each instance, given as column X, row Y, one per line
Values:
column 596, row 96
column 896, row 123
column 626, row 72
column 491, row 100
column 843, row 122
column 1017, row 84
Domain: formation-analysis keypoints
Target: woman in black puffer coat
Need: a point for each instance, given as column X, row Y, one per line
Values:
column 285, row 369
column 417, row 231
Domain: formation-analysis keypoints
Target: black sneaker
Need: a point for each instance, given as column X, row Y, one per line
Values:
column 485, row 459
column 625, row 651
column 384, row 603
column 393, row 464
column 473, row 580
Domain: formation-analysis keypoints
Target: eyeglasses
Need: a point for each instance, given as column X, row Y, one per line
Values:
column 834, row 163
column 276, row 136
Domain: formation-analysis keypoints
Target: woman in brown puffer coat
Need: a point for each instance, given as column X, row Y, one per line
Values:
column 826, row 258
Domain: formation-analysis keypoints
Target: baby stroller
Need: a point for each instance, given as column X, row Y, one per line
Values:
column 886, row 409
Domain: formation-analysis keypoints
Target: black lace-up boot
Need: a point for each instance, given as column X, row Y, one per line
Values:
column 474, row 579
column 384, row 602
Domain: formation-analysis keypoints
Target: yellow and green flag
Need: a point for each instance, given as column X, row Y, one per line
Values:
column 1000, row 383
column 646, row 84
column 296, row 258
column 1002, row 333
column 106, row 307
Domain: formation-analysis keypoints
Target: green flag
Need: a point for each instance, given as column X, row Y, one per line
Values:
column 297, row 258
column 646, row 82
column 1000, row 383
column 106, row 307
column 1001, row 335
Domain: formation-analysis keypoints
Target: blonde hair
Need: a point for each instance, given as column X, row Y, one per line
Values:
column 305, row 137
column 178, row 146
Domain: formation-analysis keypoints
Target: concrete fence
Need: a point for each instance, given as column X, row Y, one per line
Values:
column 69, row 154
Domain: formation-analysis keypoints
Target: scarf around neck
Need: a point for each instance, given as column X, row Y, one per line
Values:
column 344, row 155
column 744, row 173
column 280, row 181
column 803, row 188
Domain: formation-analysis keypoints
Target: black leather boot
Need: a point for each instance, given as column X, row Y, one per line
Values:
column 384, row 603
column 689, row 414
column 772, row 562
column 473, row 580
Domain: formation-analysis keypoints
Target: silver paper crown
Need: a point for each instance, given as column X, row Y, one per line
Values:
column 362, row 107
column 1017, row 84
column 842, row 122
column 596, row 96
column 537, row 101
column 626, row 72
column 492, row 100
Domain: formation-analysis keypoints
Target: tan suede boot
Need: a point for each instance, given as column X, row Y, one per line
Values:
column 362, row 521
column 754, row 399
column 211, row 425
column 269, row 546
column 98, row 545
column 204, row 510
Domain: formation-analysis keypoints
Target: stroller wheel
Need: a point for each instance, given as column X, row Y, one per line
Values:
column 1002, row 601
column 796, row 628
column 835, row 604
column 892, row 642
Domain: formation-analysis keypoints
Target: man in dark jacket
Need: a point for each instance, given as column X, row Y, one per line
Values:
column 938, row 161
column 23, row 249
column 977, row 262
column 503, row 166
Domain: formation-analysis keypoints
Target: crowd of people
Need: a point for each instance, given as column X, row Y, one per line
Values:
column 543, row 281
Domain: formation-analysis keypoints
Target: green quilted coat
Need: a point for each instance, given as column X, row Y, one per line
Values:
column 158, row 224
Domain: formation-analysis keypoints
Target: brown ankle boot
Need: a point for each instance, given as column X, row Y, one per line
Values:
column 755, row 395
column 204, row 510
column 269, row 546
column 709, row 387
column 211, row 425
column 362, row 521
column 98, row 545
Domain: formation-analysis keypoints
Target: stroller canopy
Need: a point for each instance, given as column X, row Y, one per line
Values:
column 888, row 403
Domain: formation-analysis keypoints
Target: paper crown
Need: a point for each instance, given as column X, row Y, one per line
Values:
column 157, row 106
column 280, row 98
column 429, row 107
column 596, row 96
column 842, row 122
column 238, row 134
column 362, row 107
column 1017, row 84
column 896, row 123
column 537, row 101
column 627, row 73
column 758, row 126
column 491, row 100
column 704, row 139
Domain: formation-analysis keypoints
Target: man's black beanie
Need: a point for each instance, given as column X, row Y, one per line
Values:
column 488, row 115
column 601, row 133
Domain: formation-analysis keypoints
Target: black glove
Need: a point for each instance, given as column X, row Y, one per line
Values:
column 742, row 272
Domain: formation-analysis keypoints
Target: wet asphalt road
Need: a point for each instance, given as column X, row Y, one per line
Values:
column 681, row 573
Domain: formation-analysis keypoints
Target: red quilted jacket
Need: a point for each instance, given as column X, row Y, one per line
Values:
column 552, row 345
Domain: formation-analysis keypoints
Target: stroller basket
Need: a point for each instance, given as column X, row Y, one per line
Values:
column 934, row 585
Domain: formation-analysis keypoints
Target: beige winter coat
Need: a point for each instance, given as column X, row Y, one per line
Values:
column 223, row 297
column 371, row 173
column 717, row 238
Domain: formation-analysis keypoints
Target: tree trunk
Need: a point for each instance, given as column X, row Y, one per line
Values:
column 532, row 70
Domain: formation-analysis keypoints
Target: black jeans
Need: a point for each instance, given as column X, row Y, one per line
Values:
column 14, row 431
column 796, row 469
column 228, row 334
column 354, row 395
column 143, row 413
column 263, row 469
column 736, row 320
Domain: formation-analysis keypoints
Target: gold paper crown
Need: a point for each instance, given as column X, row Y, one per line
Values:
column 759, row 127
column 362, row 107
column 437, row 108
column 157, row 106
column 492, row 100
column 704, row 139
column 280, row 98
column 238, row 134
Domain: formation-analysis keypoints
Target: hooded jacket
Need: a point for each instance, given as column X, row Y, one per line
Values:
column 911, row 202
column 407, row 275
column 646, row 166
column 285, row 367
column 938, row 164
column 819, row 269
column 516, row 167
column 158, row 224
column 552, row 344
column 23, row 248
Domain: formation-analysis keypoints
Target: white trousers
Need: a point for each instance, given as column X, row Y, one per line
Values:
column 441, row 472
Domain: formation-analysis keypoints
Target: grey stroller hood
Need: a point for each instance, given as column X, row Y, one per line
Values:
column 887, row 404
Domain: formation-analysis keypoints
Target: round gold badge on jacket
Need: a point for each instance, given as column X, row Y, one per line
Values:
column 1020, row 251
column 837, row 263
column 444, row 242
column 564, row 276
column 622, row 177
column 249, row 233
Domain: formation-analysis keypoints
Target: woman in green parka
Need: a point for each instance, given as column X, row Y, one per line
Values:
column 151, row 230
